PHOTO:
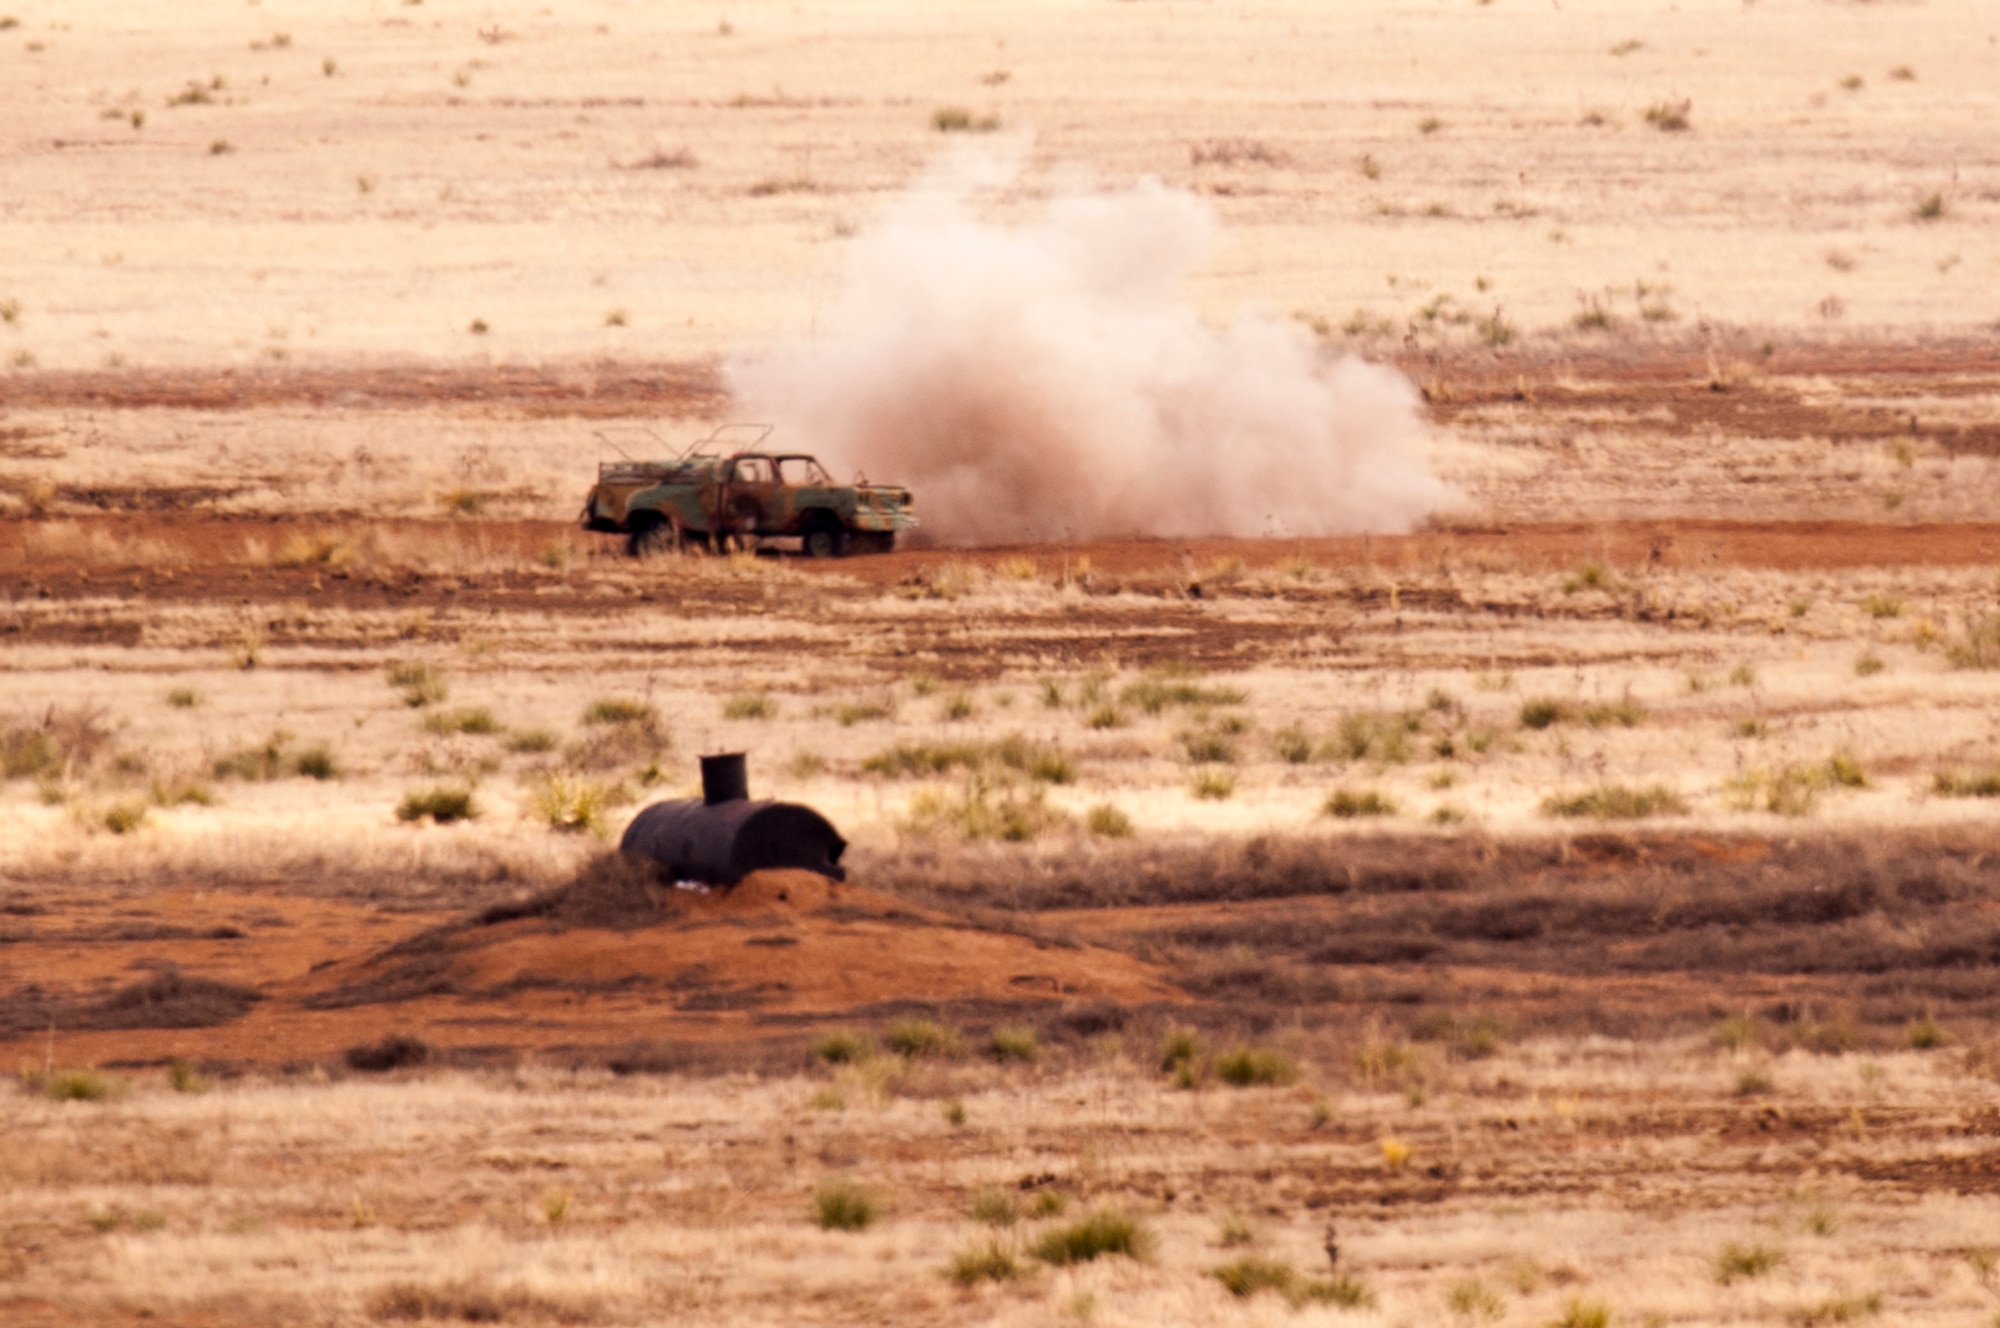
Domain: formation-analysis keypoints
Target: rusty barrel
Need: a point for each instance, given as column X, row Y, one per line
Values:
column 723, row 836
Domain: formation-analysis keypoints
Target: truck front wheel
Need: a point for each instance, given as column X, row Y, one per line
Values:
column 824, row 539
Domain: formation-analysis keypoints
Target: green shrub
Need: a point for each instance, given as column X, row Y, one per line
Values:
column 620, row 710
column 915, row 1037
column 182, row 793
column 1837, row 1309
column 316, row 762
column 1985, row 784
column 478, row 720
column 570, row 806
column 1162, row 690
column 1583, row 1313
column 1471, row 1299
column 996, row 1207
column 1211, row 784
column 28, row 752
column 531, row 741
column 122, row 818
column 843, row 1047
column 850, row 713
column 1340, row 1291
column 1617, row 802
column 1014, row 1042
column 750, row 705
column 958, row 120
column 1253, row 1273
column 1108, row 822
column 1470, row 1037
column 420, row 683
column 184, row 698
column 910, row 758
column 184, row 1078
column 1348, row 804
column 77, row 1085
column 1379, row 737
column 1180, row 1047
column 1106, row 1231
column 841, row 1205
column 1881, row 604
column 984, row 810
column 1736, row 1033
column 1752, row 1083
column 1924, row 1034
column 1250, row 1066
column 1292, row 746
column 989, row 1260
column 1543, row 712
column 262, row 764
column 1234, row 1229
column 1040, row 762
column 440, row 804
column 1627, row 714
column 1593, row 575
column 1978, row 647
column 1738, row 1262
column 1670, row 118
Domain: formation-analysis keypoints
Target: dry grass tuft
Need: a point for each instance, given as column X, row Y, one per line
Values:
column 471, row 1302
column 571, row 805
column 1348, row 804
column 989, row 1260
column 841, row 1205
column 1617, row 802
column 1100, row 1234
column 440, row 804
column 1248, row 1067
column 1736, row 1263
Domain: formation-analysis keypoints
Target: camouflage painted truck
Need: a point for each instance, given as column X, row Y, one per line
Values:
column 717, row 500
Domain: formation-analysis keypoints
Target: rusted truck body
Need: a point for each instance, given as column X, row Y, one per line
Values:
column 722, row 500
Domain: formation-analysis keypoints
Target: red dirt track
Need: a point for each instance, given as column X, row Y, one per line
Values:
column 187, row 551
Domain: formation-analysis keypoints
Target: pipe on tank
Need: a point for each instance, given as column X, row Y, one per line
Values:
column 724, row 778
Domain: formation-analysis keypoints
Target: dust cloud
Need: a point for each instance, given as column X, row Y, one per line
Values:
column 1050, row 379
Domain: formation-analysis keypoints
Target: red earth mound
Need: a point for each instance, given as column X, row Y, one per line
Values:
column 602, row 964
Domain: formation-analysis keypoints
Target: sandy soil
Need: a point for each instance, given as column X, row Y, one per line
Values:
column 1596, row 887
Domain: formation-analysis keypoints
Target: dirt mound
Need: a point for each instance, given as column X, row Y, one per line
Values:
column 779, row 945
column 171, row 1000
column 613, row 891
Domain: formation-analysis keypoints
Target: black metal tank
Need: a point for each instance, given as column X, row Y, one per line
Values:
column 725, row 836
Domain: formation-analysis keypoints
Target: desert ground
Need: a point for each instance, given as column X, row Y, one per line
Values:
column 1580, row 908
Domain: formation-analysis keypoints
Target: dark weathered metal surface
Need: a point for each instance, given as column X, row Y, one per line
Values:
column 723, row 836
column 721, row 843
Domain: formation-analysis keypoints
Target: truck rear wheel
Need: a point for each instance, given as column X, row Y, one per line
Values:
column 653, row 534
column 824, row 539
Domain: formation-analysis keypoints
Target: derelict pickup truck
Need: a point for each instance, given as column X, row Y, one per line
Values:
column 715, row 501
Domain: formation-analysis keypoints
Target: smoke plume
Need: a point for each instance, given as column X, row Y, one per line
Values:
column 1050, row 379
